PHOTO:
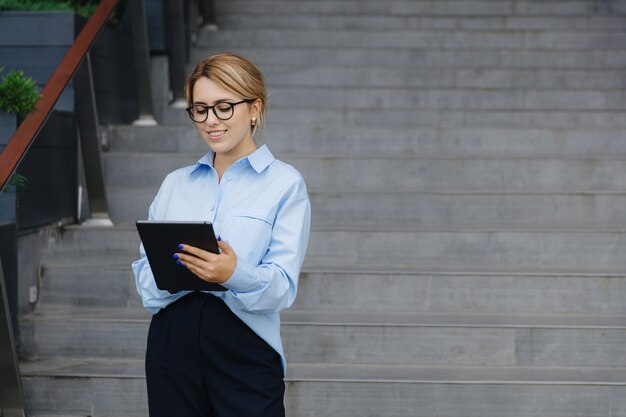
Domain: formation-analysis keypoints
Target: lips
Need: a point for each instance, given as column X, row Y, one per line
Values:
column 216, row 134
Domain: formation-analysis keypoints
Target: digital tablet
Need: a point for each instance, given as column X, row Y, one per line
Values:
column 161, row 239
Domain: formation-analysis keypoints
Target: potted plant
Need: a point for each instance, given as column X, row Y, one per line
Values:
column 18, row 93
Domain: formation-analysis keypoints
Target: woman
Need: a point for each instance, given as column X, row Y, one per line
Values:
column 220, row 353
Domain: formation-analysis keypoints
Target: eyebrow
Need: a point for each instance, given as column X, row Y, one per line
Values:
column 222, row 100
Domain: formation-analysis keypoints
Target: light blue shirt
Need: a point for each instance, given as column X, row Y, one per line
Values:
column 261, row 208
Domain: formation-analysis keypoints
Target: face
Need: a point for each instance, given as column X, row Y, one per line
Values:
column 230, row 138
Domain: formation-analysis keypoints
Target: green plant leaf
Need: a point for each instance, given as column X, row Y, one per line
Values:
column 18, row 180
column 18, row 94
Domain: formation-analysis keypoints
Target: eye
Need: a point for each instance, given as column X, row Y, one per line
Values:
column 223, row 107
column 199, row 110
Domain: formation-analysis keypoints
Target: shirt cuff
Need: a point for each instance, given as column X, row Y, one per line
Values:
column 243, row 279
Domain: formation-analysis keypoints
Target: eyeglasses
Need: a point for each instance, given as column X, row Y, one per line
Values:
column 223, row 111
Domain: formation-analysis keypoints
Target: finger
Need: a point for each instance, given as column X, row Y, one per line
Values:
column 200, row 253
column 178, row 257
column 198, row 267
column 200, row 262
column 196, row 271
column 186, row 260
column 225, row 247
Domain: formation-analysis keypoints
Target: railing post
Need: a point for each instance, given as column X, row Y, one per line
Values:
column 139, row 30
column 207, row 8
column 175, row 46
column 86, row 111
column 11, row 394
column 187, row 14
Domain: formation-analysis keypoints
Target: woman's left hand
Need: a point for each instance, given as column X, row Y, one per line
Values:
column 210, row 267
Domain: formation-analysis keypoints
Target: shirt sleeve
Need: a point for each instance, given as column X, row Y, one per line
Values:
column 153, row 299
column 271, row 286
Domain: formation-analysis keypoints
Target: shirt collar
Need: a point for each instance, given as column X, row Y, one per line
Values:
column 259, row 159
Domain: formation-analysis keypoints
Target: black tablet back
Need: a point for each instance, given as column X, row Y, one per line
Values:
column 161, row 239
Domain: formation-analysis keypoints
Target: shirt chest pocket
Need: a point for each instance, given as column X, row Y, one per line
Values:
column 249, row 233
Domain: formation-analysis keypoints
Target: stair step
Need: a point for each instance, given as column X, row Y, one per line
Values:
column 411, row 39
column 299, row 372
column 103, row 284
column 315, row 138
column 402, row 172
column 582, row 250
column 416, row 99
column 416, row 57
column 468, row 392
column 497, row 248
column 464, row 290
column 93, row 280
column 519, row 375
column 60, row 415
column 370, row 338
column 419, row 7
column 458, row 79
column 84, row 332
column 127, row 205
column 60, row 256
column 423, row 21
column 117, row 388
column 85, row 387
column 374, row 338
column 394, row 208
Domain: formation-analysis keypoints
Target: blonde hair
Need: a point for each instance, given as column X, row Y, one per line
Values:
column 236, row 75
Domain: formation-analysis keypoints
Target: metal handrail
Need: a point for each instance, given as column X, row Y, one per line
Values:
column 25, row 134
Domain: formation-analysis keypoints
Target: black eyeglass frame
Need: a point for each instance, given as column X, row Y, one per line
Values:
column 206, row 108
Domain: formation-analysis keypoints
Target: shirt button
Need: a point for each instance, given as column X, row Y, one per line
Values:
column 212, row 208
column 229, row 178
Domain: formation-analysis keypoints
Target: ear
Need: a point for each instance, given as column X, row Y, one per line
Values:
column 255, row 108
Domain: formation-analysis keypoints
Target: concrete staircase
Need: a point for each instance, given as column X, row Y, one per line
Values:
column 466, row 162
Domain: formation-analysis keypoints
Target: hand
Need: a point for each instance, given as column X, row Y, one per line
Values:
column 208, row 266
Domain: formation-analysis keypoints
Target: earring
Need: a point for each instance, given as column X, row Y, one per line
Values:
column 254, row 121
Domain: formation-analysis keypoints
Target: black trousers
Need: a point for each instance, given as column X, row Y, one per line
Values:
column 202, row 360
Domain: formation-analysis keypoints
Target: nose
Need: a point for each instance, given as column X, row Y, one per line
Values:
column 212, row 118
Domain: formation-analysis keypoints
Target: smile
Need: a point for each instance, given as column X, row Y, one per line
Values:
column 214, row 134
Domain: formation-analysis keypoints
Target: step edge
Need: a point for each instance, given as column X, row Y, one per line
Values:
column 323, row 270
column 301, row 368
column 293, row 318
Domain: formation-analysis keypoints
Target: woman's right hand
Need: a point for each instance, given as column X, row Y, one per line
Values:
column 208, row 266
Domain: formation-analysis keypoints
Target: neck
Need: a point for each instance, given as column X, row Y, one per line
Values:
column 222, row 161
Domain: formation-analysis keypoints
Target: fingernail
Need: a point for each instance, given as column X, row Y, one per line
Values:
column 180, row 246
column 175, row 256
column 219, row 238
column 179, row 262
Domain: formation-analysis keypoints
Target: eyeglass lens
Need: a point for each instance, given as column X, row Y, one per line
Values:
column 200, row 113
